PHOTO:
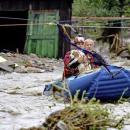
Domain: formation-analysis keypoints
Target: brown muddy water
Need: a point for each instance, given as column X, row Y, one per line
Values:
column 22, row 104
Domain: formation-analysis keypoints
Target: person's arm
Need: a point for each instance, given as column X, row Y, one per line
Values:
column 71, row 60
column 98, row 59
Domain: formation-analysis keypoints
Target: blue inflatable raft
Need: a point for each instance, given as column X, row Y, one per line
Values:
column 100, row 84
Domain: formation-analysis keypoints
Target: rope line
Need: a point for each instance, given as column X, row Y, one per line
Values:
column 24, row 19
column 74, row 21
column 71, row 21
column 75, row 26
column 80, row 18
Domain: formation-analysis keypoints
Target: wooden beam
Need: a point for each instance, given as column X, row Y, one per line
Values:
column 102, row 18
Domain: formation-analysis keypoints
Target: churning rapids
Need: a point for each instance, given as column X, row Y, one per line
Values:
column 22, row 104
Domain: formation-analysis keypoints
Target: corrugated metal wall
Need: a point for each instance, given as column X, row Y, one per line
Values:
column 42, row 38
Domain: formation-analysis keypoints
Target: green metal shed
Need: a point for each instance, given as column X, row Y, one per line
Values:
column 42, row 37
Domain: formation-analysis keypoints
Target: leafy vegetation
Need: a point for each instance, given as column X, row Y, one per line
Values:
column 101, row 8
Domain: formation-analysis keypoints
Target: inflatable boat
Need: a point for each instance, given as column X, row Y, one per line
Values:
column 99, row 84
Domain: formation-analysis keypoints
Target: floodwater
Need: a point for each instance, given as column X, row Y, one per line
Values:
column 22, row 104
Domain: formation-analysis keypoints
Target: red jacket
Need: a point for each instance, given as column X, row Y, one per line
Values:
column 71, row 71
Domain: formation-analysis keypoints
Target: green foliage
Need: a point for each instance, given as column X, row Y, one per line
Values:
column 101, row 7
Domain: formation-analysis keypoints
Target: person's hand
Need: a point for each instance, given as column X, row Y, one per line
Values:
column 78, row 55
column 75, row 54
column 81, row 59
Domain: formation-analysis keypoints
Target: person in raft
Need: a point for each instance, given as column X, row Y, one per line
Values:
column 76, row 62
column 89, row 59
column 73, row 59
